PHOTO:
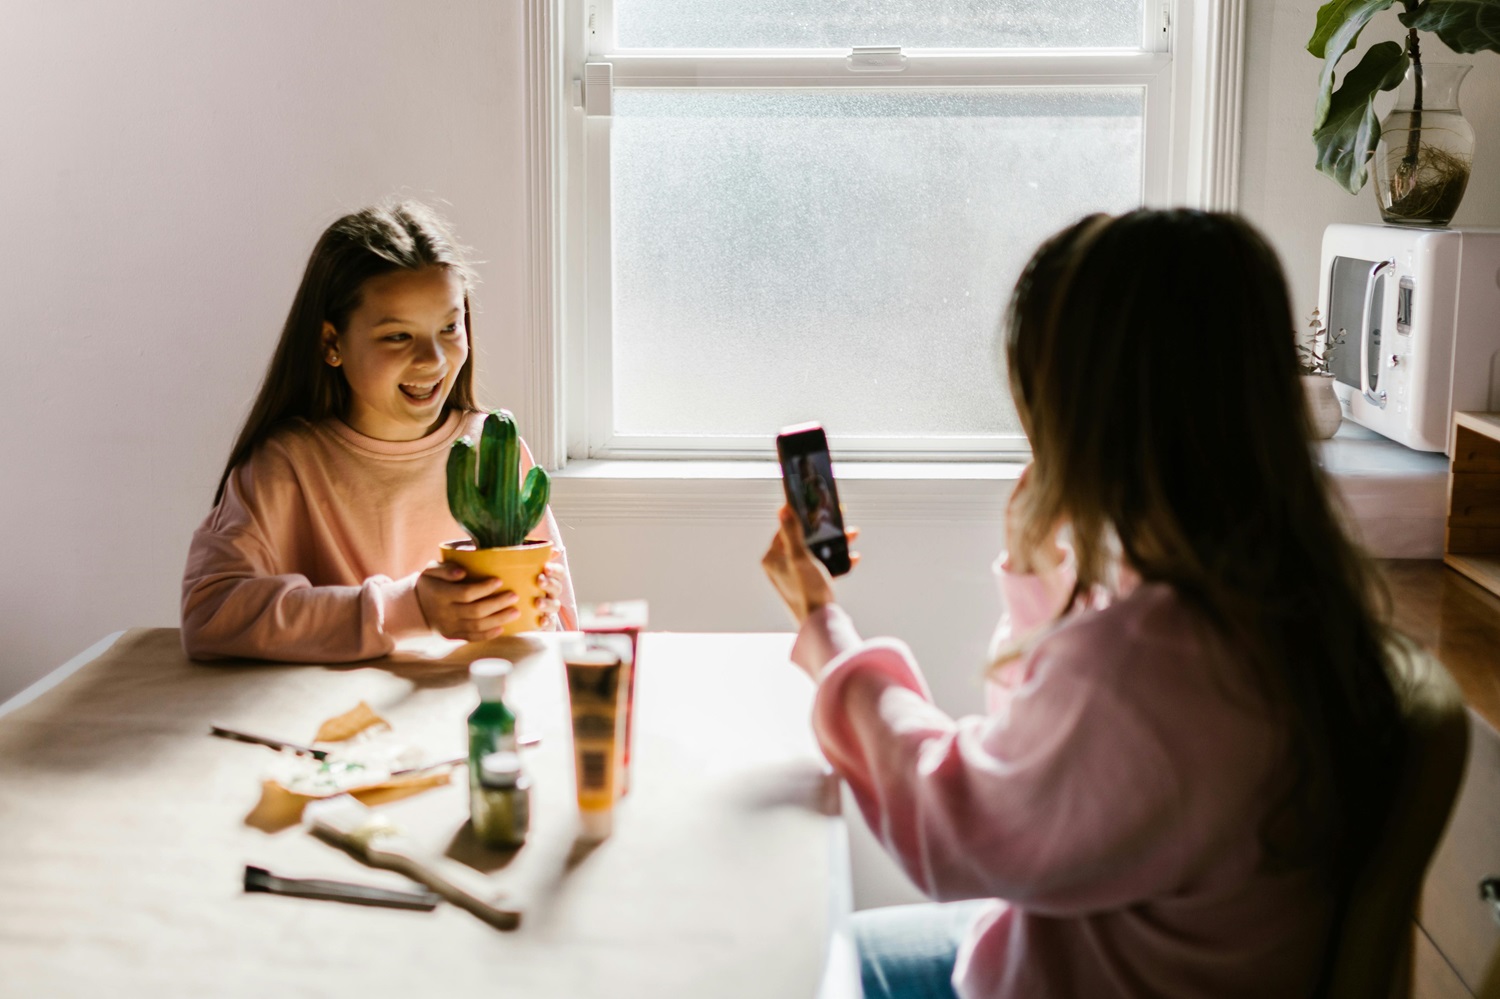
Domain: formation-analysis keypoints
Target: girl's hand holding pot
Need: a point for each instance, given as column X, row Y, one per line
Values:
column 456, row 606
column 551, row 583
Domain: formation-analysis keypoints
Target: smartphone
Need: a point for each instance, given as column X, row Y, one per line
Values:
column 807, row 475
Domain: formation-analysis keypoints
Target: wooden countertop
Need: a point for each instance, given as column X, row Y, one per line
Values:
column 1457, row 620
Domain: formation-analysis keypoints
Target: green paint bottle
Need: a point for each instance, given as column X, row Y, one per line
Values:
column 500, row 807
column 492, row 725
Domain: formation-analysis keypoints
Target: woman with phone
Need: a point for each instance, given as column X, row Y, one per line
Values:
column 1190, row 724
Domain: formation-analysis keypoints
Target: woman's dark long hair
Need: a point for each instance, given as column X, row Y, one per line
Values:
column 404, row 235
column 1152, row 361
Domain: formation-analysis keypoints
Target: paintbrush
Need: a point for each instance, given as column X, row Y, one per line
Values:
column 262, row 740
column 373, row 838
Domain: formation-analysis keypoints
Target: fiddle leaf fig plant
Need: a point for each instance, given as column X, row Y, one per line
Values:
column 1463, row 25
column 485, row 491
column 1345, row 126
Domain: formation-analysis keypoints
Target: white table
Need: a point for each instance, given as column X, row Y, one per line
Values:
column 123, row 836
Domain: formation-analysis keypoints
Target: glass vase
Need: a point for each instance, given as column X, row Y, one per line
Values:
column 1426, row 148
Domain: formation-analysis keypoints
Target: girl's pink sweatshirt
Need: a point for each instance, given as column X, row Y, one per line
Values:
column 313, row 553
column 1110, row 801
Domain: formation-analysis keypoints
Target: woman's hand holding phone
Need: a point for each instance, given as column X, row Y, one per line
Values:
column 802, row 581
column 807, row 480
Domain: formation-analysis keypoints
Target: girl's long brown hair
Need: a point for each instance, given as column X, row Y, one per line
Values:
column 1152, row 361
column 402, row 235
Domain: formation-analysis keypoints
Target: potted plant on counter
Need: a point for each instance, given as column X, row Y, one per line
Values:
column 1423, row 149
column 1317, row 378
column 487, row 496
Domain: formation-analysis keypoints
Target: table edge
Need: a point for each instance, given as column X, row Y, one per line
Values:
column 56, row 676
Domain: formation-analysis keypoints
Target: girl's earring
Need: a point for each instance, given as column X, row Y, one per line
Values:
column 333, row 358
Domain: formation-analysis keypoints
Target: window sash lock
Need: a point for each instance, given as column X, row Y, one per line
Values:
column 876, row 59
column 598, row 89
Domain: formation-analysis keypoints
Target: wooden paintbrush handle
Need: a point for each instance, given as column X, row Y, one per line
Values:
column 398, row 853
column 370, row 836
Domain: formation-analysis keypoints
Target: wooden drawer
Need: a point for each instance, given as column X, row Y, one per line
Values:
column 1459, row 923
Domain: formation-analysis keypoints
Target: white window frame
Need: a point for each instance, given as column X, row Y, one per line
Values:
column 1190, row 66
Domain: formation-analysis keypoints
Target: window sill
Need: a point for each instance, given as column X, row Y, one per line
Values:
column 731, row 490
column 849, row 471
column 1395, row 496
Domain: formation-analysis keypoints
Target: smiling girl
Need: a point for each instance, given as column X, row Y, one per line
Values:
column 333, row 502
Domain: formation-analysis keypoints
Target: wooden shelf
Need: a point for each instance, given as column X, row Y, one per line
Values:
column 1483, row 569
column 1471, row 541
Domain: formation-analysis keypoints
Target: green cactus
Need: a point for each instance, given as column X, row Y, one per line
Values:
column 485, row 491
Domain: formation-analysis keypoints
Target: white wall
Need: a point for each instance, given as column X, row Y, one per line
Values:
column 165, row 168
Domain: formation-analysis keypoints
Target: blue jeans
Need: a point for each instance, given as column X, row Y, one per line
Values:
column 908, row 951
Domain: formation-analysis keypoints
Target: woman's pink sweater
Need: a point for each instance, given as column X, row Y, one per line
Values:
column 313, row 553
column 1110, row 802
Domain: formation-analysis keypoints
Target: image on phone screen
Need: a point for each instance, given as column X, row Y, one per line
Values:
column 807, row 474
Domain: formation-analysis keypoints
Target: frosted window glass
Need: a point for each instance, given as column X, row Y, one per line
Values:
column 797, row 24
column 841, row 255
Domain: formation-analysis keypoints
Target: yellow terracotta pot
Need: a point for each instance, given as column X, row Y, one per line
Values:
column 518, row 565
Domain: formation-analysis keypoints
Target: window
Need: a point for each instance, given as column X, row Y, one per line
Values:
column 792, row 209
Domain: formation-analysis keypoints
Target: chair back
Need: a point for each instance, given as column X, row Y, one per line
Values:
column 1372, row 947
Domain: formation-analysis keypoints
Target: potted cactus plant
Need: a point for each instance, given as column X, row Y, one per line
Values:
column 487, row 496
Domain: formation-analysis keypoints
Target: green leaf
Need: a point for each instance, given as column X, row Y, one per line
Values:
column 1339, row 25
column 463, row 493
column 1336, row 15
column 1347, row 138
column 484, row 485
column 1463, row 25
column 534, row 496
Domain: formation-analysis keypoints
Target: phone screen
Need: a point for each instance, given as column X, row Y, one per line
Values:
column 807, row 475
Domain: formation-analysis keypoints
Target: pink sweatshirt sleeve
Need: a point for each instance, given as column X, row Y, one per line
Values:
column 1065, row 802
column 1031, row 601
column 239, row 600
column 568, row 612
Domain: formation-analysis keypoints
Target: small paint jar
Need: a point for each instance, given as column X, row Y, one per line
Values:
column 500, row 805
